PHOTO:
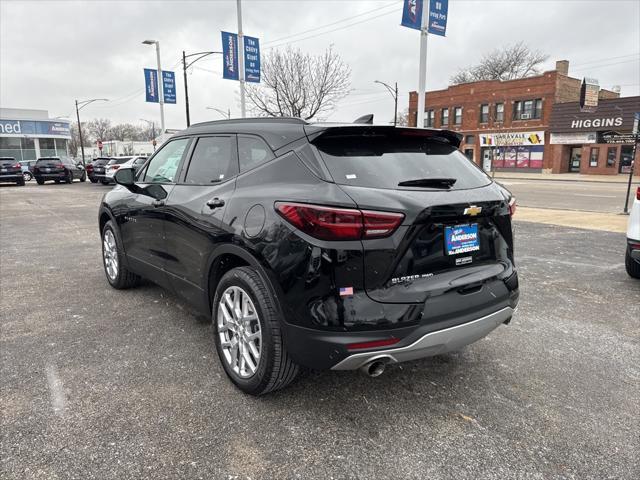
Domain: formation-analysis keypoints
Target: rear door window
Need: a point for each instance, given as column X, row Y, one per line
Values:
column 384, row 161
column 213, row 161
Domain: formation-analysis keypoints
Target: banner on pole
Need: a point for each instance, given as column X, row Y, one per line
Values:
column 438, row 13
column 251, row 59
column 151, row 85
column 169, row 86
column 412, row 14
column 230, row 56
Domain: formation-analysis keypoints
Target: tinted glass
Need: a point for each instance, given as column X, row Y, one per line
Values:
column 212, row 161
column 48, row 160
column 164, row 165
column 119, row 160
column 252, row 151
column 384, row 161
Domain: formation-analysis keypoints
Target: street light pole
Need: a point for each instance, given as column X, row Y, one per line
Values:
column 241, row 58
column 394, row 94
column 153, row 132
column 79, row 106
column 226, row 114
column 200, row 56
column 160, row 82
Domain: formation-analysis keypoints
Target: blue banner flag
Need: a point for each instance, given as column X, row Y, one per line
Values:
column 230, row 56
column 151, row 85
column 412, row 14
column 438, row 12
column 169, row 86
column 251, row 59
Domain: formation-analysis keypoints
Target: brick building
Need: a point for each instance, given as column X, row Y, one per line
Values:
column 505, row 124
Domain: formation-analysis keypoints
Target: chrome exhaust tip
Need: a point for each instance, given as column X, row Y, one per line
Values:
column 374, row 368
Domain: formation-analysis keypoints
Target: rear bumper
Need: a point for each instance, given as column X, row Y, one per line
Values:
column 13, row 177
column 634, row 249
column 434, row 343
column 51, row 176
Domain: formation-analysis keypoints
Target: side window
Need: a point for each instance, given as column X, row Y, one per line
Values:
column 139, row 161
column 213, row 160
column 163, row 167
column 252, row 151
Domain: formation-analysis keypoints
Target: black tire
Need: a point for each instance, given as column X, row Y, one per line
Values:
column 20, row 182
column 93, row 180
column 104, row 182
column 83, row 178
column 27, row 176
column 275, row 369
column 40, row 181
column 56, row 181
column 632, row 266
column 124, row 278
column 69, row 178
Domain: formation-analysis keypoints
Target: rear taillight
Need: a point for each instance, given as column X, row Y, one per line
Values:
column 331, row 223
column 638, row 193
column 60, row 165
column 115, row 167
column 17, row 165
column 512, row 206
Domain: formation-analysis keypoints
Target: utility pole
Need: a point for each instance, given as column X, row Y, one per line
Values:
column 422, row 74
column 241, row 58
column 79, row 106
column 186, row 89
column 185, row 66
column 160, row 82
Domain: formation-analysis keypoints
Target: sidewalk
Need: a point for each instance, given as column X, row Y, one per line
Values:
column 609, row 222
column 566, row 177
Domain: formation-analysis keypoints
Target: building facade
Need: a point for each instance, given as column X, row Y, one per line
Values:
column 505, row 124
column 599, row 141
column 31, row 134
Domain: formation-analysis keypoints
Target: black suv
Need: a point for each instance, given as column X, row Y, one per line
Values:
column 96, row 169
column 313, row 245
column 58, row 170
column 11, row 171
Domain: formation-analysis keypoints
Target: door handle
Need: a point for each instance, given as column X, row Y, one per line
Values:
column 158, row 203
column 215, row 203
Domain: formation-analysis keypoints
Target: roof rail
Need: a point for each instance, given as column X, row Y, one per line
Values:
column 292, row 120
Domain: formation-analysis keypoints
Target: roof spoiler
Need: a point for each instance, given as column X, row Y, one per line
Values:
column 444, row 136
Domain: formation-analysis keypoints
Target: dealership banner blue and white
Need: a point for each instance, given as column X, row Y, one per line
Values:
column 251, row 59
column 412, row 14
column 151, row 85
column 438, row 13
column 21, row 128
column 169, row 86
column 230, row 56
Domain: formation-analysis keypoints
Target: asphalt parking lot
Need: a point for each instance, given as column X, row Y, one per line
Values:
column 106, row 384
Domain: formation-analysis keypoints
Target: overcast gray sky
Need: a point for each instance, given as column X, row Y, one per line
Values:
column 52, row 52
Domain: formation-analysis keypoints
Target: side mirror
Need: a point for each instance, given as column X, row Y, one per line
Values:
column 125, row 177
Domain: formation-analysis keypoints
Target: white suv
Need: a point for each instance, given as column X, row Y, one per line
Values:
column 121, row 162
column 632, row 258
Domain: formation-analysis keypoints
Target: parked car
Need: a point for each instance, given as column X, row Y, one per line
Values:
column 96, row 169
column 11, row 171
column 121, row 162
column 323, row 246
column 632, row 256
column 58, row 169
column 27, row 169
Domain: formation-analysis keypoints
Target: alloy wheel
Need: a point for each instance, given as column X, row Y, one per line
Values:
column 110, row 254
column 239, row 331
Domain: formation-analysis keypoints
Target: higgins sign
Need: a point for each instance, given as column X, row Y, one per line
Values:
column 21, row 128
column 597, row 122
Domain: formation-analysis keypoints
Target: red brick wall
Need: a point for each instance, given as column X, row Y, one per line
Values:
column 602, row 168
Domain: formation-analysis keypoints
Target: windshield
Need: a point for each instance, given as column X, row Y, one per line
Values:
column 384, row 161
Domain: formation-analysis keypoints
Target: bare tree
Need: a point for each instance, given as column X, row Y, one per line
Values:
column 74, row 143
column 123, row 131
column 403, row 118
column 99, row 128
column 506, row 63
column 296, row 84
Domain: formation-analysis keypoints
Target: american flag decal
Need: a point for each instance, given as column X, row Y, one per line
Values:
column 346, row 291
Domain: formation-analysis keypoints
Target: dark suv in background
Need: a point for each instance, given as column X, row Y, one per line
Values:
column 58, row 169
column 96, row 169
column 313, row 245
column 11, row 171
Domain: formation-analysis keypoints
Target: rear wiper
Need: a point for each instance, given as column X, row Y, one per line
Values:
column 429, row 182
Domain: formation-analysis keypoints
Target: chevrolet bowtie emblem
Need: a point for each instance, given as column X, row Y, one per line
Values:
column 472, row 210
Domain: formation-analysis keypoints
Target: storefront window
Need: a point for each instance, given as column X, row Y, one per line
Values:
column 444, row 117
column 28, row 149
column 499, row 112
column 626, row 156
column 457, row 115
column 10, row 147
column 484, row 113
column 61, row 148
column 47, row 147
column 469, row 153
column 518, row 157
column 593, row 157
column 611, row 156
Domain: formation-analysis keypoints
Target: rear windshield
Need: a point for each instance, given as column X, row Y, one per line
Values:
column 119, row 160
column 48, row 160
column 383, row 161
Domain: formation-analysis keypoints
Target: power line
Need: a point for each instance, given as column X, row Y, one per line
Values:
column 606, row 59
